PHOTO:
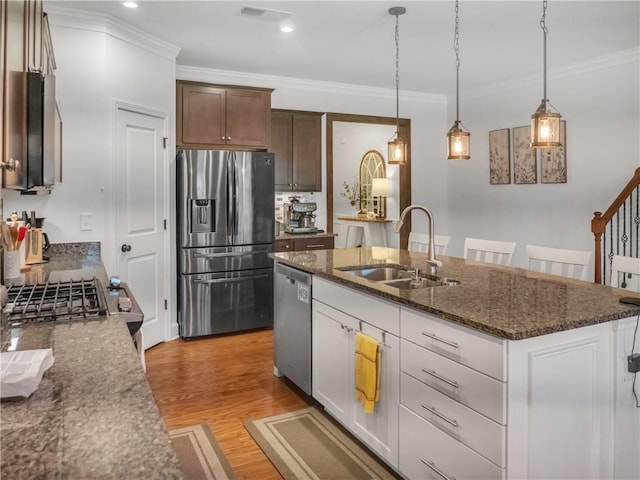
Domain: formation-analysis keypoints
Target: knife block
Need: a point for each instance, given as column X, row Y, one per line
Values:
column 34, row 244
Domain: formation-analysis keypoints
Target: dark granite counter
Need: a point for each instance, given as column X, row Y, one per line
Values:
column 506, row 302
column 93, row 415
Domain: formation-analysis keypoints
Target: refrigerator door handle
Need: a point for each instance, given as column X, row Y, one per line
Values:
column 229, row 254
column 230, row 280
column 229, row 197
column 235, row 195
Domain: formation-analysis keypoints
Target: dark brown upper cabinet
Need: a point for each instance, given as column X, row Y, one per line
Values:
column 214, row 116
column 296, row 140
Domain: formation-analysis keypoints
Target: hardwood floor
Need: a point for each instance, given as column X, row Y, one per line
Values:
column 223, row 381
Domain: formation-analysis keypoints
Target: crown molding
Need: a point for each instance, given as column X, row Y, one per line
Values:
column 96, row 22
column 228, row 77
column 623, row 57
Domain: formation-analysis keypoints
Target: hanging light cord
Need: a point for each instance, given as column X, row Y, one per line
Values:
column 456, row 48
column 397, row 74
column 545, row 30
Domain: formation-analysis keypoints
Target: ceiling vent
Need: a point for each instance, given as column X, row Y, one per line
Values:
column 265, row 13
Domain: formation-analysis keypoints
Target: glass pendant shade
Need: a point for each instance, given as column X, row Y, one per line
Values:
column 397, row 151
column 458, row 143
column 545, row 127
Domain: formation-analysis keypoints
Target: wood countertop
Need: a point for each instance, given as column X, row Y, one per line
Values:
column 511, row 303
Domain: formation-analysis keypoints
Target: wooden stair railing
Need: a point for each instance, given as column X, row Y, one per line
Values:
column 628, row 199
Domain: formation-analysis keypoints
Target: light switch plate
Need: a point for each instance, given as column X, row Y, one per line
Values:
column 86, row 221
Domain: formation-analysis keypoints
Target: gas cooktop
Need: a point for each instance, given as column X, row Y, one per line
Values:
column 56, row 301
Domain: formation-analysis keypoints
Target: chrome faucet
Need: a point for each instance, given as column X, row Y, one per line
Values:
column 432, row 262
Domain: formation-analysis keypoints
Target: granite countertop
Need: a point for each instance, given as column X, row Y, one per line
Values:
column 93, row 415
column 510, row 303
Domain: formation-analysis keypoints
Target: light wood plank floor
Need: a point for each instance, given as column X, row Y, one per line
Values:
column 223, row 381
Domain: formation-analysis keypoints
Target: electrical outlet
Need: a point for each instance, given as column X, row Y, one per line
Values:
column 86, row 221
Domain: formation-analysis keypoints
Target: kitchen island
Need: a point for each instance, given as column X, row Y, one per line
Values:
column 508, row 374
column 93, row 415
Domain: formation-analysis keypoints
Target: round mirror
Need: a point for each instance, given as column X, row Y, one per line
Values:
column 371, row 166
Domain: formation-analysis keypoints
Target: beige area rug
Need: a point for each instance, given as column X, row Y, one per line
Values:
column 199, row 453
column 306, row 445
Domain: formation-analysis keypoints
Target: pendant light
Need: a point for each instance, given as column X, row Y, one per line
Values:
column 397, row 145
column 457, row 137
column 545, row 122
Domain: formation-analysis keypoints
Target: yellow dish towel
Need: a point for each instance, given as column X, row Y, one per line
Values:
column 367, row 371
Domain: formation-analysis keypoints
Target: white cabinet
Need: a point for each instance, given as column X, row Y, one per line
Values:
column 560, row 417
column 332, row 344
column 428, row 452
column 452, row 381
column 537, row 408
column 459, row 403
column 333, row 352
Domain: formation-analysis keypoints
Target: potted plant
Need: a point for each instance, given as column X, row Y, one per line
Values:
column 351, row 192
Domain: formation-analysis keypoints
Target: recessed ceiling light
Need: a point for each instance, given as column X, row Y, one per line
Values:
column 130, row 4
column 286, row 28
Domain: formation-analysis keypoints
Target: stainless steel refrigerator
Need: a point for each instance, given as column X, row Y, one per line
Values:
column 225, row 213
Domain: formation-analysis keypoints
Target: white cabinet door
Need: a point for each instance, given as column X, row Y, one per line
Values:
column 379, row 430
column 332, row 353
column 561, row 390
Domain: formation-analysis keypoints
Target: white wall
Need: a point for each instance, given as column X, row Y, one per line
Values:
column 600, row 102
column 96, row 65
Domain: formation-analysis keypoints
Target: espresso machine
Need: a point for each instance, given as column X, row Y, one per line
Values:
column 299, row 217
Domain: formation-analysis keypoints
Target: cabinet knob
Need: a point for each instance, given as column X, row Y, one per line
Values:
column 228, row 138
column 11, row 165
column 222, row 138
column 287, row 247
column 295, row 184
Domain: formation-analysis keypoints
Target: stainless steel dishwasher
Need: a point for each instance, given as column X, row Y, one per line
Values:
column 292, row 325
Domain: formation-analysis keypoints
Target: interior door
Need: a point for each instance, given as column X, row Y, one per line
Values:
column 140, row 234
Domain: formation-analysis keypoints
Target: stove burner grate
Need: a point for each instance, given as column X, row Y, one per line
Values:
column 56, row 301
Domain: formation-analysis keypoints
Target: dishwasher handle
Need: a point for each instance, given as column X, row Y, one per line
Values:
column 293, row 275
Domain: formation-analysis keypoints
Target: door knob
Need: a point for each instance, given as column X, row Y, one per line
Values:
column 125, row 247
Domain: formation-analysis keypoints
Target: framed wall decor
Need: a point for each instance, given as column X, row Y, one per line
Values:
column 499, row 157
column 524, row 157
column 553, row 161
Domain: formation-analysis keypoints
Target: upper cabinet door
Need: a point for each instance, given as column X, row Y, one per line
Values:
column 296, row 139
column 218, row 117
column 307, row 152
column 14, row 107
column 201, row 115
column 248, row 118
column 281, row 146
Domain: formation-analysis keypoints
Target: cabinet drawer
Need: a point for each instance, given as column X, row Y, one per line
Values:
column 461, row 344
column 313, row 243
column 462, row 423
column 422, row 444
column 381, row 314
column 283, row 246
column 474, row 389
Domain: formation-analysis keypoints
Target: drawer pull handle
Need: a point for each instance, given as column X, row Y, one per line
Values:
column 315, row 245
column 453, row 423
column 438, row 339
column 432, row 466
column 453, row 383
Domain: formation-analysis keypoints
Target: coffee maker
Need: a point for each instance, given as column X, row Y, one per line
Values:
column 299, row 217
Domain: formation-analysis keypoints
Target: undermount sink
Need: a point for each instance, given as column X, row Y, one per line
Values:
column 398, row 276
column 379, row 273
